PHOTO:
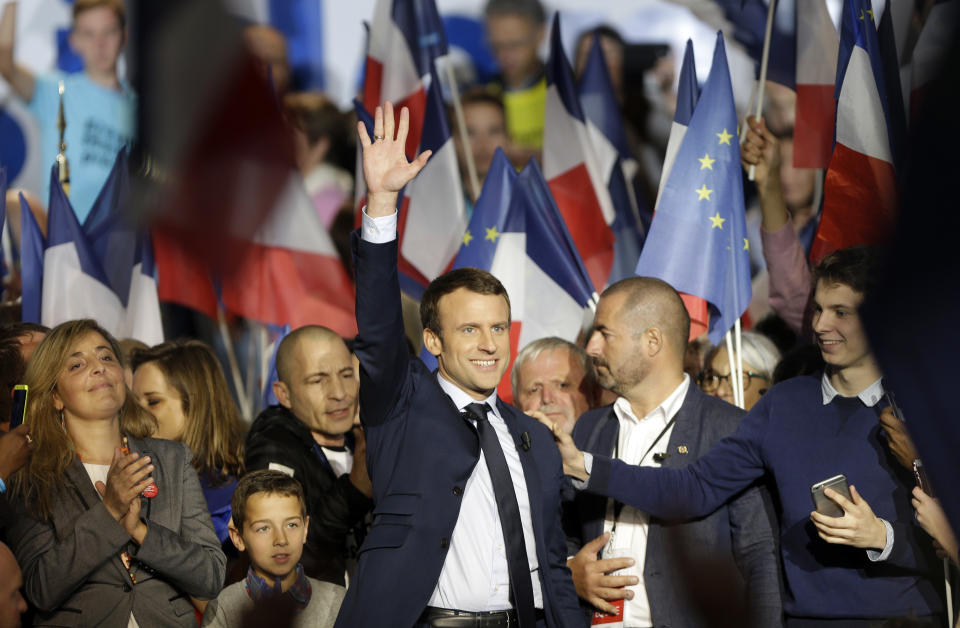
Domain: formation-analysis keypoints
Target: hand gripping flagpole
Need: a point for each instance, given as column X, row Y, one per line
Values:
column 764, row 59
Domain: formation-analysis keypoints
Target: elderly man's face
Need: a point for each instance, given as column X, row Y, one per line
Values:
column 555, row 384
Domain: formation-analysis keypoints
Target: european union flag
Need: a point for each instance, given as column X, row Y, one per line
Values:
column 698, row 239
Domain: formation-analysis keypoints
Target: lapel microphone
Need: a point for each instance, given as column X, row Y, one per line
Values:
column 525, row 441
column 660, row 457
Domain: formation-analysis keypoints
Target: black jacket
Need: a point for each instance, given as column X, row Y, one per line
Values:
column 334, row 504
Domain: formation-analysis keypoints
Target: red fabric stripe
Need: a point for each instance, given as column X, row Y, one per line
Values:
column 816, row 112
column 859, row 202
column 182, row 277
column 505, row 389
column 578, row 204
column 372, row 80
column 699, row 314
column 279, row 286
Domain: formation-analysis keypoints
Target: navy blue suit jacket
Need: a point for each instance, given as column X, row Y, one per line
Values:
column 420, row 453
column 741, row 533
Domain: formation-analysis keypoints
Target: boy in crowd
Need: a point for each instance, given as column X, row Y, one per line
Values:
column 270, row 524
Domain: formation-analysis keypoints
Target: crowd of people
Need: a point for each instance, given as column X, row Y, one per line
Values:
column 621, row 486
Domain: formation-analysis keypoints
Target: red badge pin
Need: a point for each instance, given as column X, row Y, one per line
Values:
column 151, row 491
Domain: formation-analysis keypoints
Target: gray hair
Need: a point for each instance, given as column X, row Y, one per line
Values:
column 758, row 351
column 542, row 345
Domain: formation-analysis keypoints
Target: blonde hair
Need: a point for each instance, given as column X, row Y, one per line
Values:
column 39, row 481
column 213, row 429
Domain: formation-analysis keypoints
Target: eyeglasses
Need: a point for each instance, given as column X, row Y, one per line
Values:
column 709, row 381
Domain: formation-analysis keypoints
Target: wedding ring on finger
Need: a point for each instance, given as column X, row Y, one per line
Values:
column 377, row 137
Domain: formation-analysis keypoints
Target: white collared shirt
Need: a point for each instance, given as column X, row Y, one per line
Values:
column 870, row 396
column 636, row 438
column 475, row 575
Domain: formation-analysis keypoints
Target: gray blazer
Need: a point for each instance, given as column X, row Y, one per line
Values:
column 71, row 566
column 740, row 533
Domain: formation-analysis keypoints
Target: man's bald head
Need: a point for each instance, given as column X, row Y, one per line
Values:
column 650, row 302
column 287, row 351
column 12, row 603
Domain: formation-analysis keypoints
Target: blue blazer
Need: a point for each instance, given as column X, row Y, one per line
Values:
column 739, row 534
column 420, row 453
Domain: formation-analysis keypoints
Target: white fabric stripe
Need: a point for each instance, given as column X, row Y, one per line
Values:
column 677, row 133
column 566, row 146
column 400, row 77
column 817, row 45
column 295, row 224
column 69, row 293
column 437, row 218
column 861, row 124
column 143, row 320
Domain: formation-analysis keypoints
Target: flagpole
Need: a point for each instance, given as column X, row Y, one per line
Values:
column 462, row 125
column 234, row 365
column 733, row 369
column 739, row 346
column 764, row 59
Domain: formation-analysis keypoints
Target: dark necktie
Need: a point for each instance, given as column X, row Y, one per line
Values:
column 518, row 566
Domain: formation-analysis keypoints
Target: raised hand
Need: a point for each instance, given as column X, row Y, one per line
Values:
column 760, row 149
column 590, row 577
column 385, row 165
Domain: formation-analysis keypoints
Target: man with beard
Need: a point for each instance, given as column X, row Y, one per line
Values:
column 660, row 419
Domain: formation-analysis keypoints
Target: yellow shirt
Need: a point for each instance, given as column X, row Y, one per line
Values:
column 525, row 114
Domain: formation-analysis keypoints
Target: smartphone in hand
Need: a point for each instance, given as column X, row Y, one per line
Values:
column 19, row 410
column 823, row 504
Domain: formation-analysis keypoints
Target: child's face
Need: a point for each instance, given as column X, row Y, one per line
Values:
column 98, row 38
column 273, row 535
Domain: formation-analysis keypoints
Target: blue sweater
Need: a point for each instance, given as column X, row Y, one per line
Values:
column 796, row 441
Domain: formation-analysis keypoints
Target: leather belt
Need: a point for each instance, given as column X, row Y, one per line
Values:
column 449, row 618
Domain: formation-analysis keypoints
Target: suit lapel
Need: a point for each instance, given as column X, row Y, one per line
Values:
column 684, row 435
column 531, row 475
column 602, row 440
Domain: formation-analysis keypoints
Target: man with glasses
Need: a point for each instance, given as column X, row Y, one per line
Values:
column 660, row 419
column 858, row 569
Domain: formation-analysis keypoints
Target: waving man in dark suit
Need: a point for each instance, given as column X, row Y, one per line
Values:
column 466, row 488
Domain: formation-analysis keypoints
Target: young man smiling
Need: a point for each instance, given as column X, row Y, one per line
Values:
column 854, row 570
column 466, row 528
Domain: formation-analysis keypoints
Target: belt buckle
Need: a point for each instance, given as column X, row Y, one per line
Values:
column 510, row 623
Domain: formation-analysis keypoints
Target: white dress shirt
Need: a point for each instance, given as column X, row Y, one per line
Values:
column 474, row 576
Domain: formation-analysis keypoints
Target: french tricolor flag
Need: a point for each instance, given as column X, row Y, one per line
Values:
column 290, row 273
column 617, row 163
column 860, row 192
column 688, row 94
column 76, row 284
column 817, row 46
column 572, row 169
column 405, row 37
column 517, row 234
column 433, row 213
column 32, row 246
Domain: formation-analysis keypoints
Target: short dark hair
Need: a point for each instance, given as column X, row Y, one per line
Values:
column 532, row 9
column 264, row 481
column 116, row 6
column 291, row 341
column 855, row 266
column 473, row 279
column 658, row 304
column 16, row 331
